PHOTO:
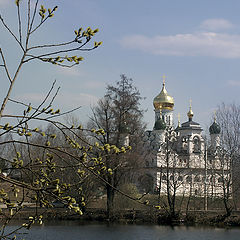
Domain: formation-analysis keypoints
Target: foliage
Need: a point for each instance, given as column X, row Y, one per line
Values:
column 120, row 116
column 121, row 202
column 36, row 162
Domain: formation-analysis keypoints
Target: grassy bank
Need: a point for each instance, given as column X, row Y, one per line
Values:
column 132, row 216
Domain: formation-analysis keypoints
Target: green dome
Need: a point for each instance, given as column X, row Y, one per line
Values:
column 159, row 125
column 214, row 128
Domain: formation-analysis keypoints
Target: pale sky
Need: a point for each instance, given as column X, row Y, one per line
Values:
column 196, row 44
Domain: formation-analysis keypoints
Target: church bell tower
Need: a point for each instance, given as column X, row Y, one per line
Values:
column 163, row 107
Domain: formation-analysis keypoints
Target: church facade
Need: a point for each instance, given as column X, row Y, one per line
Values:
column 180, row 160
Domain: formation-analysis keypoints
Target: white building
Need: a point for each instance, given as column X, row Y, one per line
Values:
column 179, row 159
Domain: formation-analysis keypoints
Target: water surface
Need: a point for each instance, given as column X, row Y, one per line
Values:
column 68, row 230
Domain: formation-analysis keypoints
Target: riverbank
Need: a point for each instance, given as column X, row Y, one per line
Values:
column 127, row 216
column 152, row 216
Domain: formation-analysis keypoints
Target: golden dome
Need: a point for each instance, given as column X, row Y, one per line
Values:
column 163, row 100
column 190, row 113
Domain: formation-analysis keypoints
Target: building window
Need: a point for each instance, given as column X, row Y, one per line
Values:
column 184, row 146
column 197, row 179
column 180, row 178
column 211, row 179
column 196, row 144
column 203, row 179
column 189, row 179
column 220, row 180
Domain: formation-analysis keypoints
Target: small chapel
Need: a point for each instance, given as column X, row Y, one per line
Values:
column 180, row 159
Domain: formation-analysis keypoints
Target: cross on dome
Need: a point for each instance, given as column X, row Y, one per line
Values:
column 164, row 79
column 215, row 116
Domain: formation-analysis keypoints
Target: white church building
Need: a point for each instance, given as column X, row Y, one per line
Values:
column 180, row 160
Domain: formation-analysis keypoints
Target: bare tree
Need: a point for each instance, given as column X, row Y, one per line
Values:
column 228, row 117
column 30, row 154
column 173, row 175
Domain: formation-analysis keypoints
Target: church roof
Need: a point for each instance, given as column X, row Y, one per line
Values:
column 163, row 100
column 190, row 125
column 214, row 128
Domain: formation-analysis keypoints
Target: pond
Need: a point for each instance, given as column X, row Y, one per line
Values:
column 68, row 230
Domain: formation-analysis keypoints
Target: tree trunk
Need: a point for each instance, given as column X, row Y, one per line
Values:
column 227, row 207
column 110, row 198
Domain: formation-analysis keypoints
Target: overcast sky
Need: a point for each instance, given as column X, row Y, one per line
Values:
column 196, row 44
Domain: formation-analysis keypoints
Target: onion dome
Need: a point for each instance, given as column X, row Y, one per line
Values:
column 214, row 128
column 190, row 114
column 159, row 125
column 163, row 100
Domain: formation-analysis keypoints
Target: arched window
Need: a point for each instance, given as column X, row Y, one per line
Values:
column 220, row 179
column 197, row 179
column 164, row 177
column 184, row 146
column 189, row 179
column 203, row 179
column 196, row 144
column 211, row 179
column 180, row 178
column 171, row 178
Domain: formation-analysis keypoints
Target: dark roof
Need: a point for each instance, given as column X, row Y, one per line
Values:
column 190, row 125
column 214, row 128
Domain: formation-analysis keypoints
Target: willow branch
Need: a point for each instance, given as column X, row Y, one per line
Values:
column 18, row 183
column 11, row 86
column 59, row 52
column 28, row 24
column 5, row 66
column 19, row 24
column 73, row 157
column 64, row 113
column 34, row 14
column 42, row 22
column 11, row 33
column 51, row 45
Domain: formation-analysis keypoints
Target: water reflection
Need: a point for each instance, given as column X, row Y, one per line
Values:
column 68, row 230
